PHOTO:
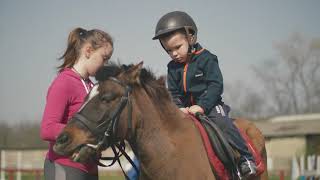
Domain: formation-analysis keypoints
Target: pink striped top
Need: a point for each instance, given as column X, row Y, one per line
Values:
column 64, row 98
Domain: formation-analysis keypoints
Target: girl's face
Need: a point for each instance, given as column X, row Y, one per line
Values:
column 98, row 57
column 176, row 46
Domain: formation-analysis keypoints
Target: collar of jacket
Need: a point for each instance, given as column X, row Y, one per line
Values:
column 198, row 49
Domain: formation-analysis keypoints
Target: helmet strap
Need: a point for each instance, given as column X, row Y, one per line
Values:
column 190, row 49
column 162, row 46
column 190, row 37
column 191, row 42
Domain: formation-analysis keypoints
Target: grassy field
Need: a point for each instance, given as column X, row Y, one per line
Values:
column 111, row 176
column 102, row 176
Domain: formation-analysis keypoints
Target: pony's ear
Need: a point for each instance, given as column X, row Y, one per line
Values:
column 133, row 73
column 162, row 81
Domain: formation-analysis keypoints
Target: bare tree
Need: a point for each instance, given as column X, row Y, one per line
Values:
column 244, row 100
column 4, row 134
column 23, row 134
column 292, row 81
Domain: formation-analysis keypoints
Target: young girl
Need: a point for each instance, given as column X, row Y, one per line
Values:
column 195, row 80
column 87, row 51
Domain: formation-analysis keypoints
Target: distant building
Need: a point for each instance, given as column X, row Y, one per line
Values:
column 289, row 136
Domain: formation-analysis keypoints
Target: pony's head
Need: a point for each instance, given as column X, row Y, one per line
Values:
column 107, row 116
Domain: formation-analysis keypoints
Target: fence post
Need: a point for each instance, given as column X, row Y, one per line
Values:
column 269, row 164
column 3, row 165
column 294, row 168
column 38, row 175
column 19, row 154
column 281, row 175
column 311, row 160
column 318, row 164
column 302, row 165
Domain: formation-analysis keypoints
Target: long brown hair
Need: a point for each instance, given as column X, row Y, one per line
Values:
column 77, row 38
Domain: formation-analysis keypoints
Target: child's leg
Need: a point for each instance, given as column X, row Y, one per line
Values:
column 237, row 141
column 219, row 115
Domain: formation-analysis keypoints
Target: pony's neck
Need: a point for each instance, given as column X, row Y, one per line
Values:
column 157, row 133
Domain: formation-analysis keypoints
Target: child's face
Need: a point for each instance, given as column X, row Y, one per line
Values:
column 176, row 46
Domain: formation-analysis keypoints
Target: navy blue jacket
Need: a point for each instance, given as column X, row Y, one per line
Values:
column 197, row 82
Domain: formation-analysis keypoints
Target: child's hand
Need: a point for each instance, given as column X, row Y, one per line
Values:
column 195, row 108
column 184, row 110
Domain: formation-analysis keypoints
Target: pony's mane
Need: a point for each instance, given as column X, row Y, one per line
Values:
column 155, row 87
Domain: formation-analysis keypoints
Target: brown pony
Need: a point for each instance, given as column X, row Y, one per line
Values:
column 131, row 104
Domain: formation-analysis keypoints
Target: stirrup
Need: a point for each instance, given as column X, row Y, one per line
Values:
column 250, row 170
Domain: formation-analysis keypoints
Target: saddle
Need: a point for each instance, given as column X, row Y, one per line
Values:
column 223, row 158
column 221, row 146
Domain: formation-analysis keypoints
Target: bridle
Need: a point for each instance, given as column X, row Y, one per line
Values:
column 109, row 125
column 107, row 130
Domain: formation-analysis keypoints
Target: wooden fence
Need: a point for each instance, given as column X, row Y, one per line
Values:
column 305, row 167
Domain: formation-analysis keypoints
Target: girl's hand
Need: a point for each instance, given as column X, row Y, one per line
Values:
column 184, row 110
column 195, row 108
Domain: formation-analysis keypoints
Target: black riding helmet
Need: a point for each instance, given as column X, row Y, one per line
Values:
column 173, row 21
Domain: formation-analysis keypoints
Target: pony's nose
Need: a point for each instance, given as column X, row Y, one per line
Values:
column 63, row 138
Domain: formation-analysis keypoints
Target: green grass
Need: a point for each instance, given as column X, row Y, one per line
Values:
column 26, row 176
column 111, row 176
column 102, row 176
column 276, row 177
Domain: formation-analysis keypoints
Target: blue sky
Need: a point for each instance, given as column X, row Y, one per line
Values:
column 34, row 33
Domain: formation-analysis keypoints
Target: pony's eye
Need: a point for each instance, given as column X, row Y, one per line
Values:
column 108, row 97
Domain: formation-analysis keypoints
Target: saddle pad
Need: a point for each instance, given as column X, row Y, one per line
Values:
column 217, row 165
column 256, row 155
